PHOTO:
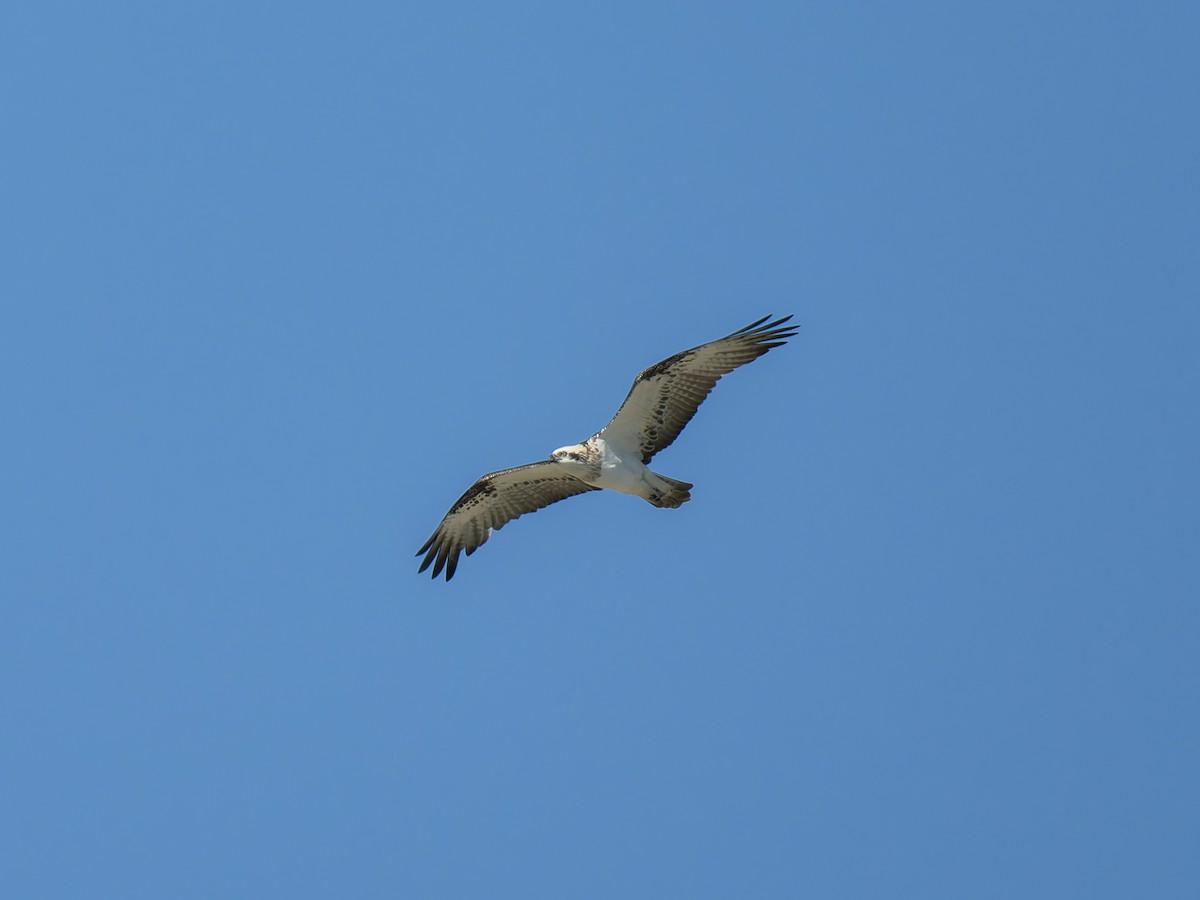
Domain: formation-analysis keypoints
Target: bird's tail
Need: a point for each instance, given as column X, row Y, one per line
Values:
column 669, row 494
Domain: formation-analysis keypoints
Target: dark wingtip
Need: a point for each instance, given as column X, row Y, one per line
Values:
column 429, row 557
column 752, row 325
column 776, row 326
column 764, row 327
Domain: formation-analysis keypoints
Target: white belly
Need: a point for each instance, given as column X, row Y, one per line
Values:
column 620, row 471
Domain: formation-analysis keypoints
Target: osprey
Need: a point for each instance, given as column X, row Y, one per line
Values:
column 661, row 402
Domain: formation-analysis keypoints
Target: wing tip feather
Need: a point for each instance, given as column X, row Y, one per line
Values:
column 755, row 324
column 765, row 329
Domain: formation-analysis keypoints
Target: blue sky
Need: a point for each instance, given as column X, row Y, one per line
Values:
column 281, row 280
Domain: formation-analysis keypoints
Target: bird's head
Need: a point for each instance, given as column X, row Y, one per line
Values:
column 573, row 454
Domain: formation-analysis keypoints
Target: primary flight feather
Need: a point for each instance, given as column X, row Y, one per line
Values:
column 661, row 402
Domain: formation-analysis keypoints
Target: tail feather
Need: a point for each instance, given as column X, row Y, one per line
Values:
column 672, row 495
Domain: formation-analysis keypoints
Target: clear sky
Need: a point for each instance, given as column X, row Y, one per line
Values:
column 280, row 280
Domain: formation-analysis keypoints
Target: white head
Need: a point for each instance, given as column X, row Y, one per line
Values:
column 576, row 453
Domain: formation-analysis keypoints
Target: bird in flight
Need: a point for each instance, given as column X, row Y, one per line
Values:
column 661, row 402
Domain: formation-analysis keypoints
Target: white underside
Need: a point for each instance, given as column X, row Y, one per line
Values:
column 623, row 471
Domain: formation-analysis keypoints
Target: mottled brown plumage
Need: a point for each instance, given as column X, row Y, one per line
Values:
column 662, row 400
column 494, row 500
column 665, row 397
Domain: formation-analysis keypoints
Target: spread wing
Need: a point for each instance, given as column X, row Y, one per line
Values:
column 489, row 503
column 665, row 396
